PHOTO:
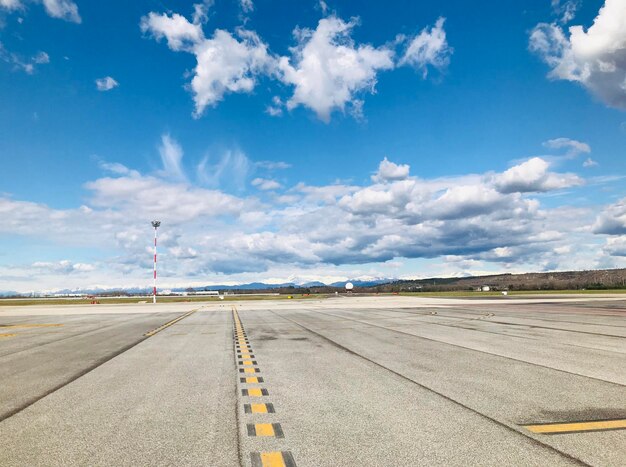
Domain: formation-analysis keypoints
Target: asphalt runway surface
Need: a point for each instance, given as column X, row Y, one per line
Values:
column 347, row 381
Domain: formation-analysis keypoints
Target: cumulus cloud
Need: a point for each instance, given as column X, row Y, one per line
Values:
column 62, row 9
column 589, row 162
column 106, row 84
column 572, row 146
column 595, row 58
column 429, row 48
column 266, row 184
column 489, row 217
column 328, row 69
column 225, row 62
column 533, row 176
column 616, row 246
column 612, row 221
column 389, row 171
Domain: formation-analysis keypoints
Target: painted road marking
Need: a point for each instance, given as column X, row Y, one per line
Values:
column 259, row 408
column 265, row 429
column 7, row 335
column 272, row 459
column 169, row 323
column 29, row 325
column 251, row 379
column 254, row 392
column 577, row 427
column 272, row 430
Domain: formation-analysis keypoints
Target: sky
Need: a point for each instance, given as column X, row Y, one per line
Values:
column 282, row 141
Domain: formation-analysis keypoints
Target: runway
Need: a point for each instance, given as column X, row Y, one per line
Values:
column 356, row 381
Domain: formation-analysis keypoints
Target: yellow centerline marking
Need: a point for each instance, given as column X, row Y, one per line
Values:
column 169, row 323
column 258, row 408
column 249, row 370
column 550, row 428
column 7, row 335
column 272, row 459
column 255, row 392
column 264, row 429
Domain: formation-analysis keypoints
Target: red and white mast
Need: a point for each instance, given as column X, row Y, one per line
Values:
column 156, row 225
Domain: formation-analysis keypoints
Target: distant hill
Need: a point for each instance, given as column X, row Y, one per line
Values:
column 567, row 280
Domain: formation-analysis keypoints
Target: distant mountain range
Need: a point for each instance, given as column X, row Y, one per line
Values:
column 564, row 280
column 249, row 286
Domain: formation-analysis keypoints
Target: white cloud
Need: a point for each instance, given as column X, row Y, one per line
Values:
column 11, row 4
column 62, row 9
column 612, row 220
column 389, row 171
column 247, row 6
column 171, row 156
column 595, row 58
column 533, row 176
column 201, row 11
column 428, row 48
column 589, row 162
column 616, row 246
column 19, row 63
column 231, row 170
column 41, row 58
column 176, row 29
column 573, row 147
column 273, row 165
column 276, row 109
column 117, row 168
column 565, row 10
column 328, row 69
column 106, row 84
column 210, row 235
column 62, row 267
column 266, row 184
column 225, row 63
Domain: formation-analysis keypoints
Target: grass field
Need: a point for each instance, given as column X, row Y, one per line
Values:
column 177, row 299
column 468, row 294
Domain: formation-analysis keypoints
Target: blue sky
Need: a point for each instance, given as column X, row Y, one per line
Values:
column 303, row 141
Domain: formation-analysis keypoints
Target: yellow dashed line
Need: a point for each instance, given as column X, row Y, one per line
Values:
column 258, row 408
column 272, row 459
column 553, row 428
column 252, row 379
column 264, row 429
column 249, row 370
column 7, row 335
column 255, row 392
